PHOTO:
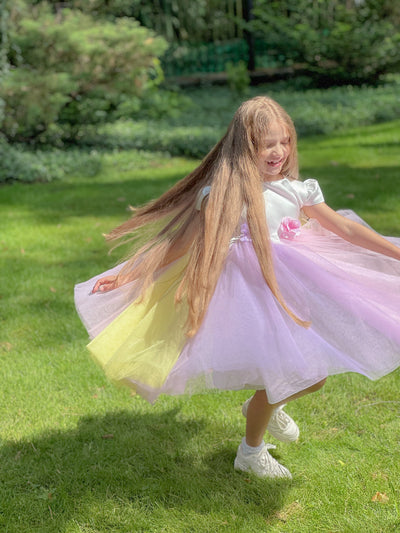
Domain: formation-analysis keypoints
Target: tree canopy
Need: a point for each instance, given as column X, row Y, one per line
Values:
column 64, row 64
column 67, row 68
column 348, row 40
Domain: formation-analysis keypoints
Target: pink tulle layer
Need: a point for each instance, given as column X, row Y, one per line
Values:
column 351, row 297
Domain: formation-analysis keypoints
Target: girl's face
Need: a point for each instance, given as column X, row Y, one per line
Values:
column 273, row 152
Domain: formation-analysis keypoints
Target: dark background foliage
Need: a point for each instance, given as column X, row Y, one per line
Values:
column 68, row 69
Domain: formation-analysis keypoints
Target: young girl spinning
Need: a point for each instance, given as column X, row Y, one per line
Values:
column 232, row 292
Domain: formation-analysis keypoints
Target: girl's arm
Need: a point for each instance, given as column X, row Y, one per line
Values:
column 351, row 231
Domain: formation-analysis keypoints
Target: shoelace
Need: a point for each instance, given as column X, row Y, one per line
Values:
column 265, row 457
column 267, row 460
column 280, row 418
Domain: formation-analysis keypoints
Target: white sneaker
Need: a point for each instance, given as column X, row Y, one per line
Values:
column 262, row 463
column 281, row 425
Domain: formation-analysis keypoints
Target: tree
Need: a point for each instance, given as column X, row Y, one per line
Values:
column 68, row 68
column 354, row 40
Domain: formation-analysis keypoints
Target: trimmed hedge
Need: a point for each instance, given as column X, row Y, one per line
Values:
column 201, row 123
column 195, row 120
column 17, row 163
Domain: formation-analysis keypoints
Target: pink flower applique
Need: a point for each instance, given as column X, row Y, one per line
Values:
column 289, row 228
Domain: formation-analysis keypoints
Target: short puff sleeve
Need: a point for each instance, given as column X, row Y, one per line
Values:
column 312, row 193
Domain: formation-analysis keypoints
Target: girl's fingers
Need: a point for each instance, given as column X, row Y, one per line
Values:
column 104, row 284
column 98, row 286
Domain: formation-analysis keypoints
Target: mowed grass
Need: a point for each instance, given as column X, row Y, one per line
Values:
column 79, row 455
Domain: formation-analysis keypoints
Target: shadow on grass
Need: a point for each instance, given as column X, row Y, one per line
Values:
column 136, row 466
column 52, row 203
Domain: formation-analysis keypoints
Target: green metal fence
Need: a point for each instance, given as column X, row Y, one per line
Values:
column 204, row 35
column 183, row 59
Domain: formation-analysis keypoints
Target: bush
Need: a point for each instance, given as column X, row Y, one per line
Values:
column 19, row 164
column 155, row 136
column 32, row 102
column 69, row 69
column 238, row 77
column 201, row 124
column 156, row 104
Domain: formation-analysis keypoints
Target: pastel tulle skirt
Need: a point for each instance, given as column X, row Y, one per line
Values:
column 351, row 297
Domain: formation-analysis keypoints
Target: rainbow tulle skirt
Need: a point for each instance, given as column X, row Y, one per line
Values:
column 350, row 295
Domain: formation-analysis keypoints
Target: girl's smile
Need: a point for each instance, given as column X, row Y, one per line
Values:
column 276, row 163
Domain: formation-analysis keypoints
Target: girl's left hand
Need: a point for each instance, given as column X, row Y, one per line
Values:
column 108, row 283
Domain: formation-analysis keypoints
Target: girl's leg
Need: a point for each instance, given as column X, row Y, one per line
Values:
column 253, row 454
column 260, row 410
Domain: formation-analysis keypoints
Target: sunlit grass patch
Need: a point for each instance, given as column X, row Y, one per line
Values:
column 79, row 455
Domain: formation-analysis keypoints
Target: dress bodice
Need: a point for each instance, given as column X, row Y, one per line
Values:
column 285, row 198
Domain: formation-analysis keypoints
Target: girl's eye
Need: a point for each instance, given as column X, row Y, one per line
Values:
column 269, row 146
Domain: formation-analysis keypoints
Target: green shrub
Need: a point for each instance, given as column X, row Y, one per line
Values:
column 20, row 164
column 32, row 102
column 69, row 69
column 154, row 136
column 156, row 104
column 200, row 125
column 238, row 77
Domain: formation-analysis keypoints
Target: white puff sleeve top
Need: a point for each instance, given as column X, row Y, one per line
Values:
column 285, row 198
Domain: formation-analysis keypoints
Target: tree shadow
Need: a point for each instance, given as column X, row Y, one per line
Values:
column 124, row 459
column 54, row 202
column 51, row 203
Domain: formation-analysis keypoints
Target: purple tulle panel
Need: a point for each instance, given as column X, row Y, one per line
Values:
column 351, row 296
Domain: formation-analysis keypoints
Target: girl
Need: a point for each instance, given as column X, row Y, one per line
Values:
column 232, row 292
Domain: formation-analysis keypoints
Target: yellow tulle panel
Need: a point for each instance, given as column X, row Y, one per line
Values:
column 144, row 342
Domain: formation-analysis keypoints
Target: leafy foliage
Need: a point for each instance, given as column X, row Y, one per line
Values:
column 340, row 41
column 238, row 77
column 19, row 164
column 203, row 21
column 355, row 41
column 68, row 69
column 199, row 126
column 192, row 122
column 33, row 102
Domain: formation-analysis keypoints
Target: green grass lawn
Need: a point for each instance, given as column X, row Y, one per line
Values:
column 79, row 455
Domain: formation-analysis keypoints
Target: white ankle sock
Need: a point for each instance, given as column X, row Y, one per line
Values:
column 251, row 449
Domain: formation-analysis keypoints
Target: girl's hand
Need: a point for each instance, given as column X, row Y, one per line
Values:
column 108, row 283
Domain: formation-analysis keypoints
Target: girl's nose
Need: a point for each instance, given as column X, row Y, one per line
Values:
column 278, row 150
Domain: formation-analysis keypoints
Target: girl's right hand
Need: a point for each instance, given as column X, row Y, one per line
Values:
column 108, row 283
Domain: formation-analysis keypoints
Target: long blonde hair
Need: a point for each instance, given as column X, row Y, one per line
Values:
column 230, row 168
